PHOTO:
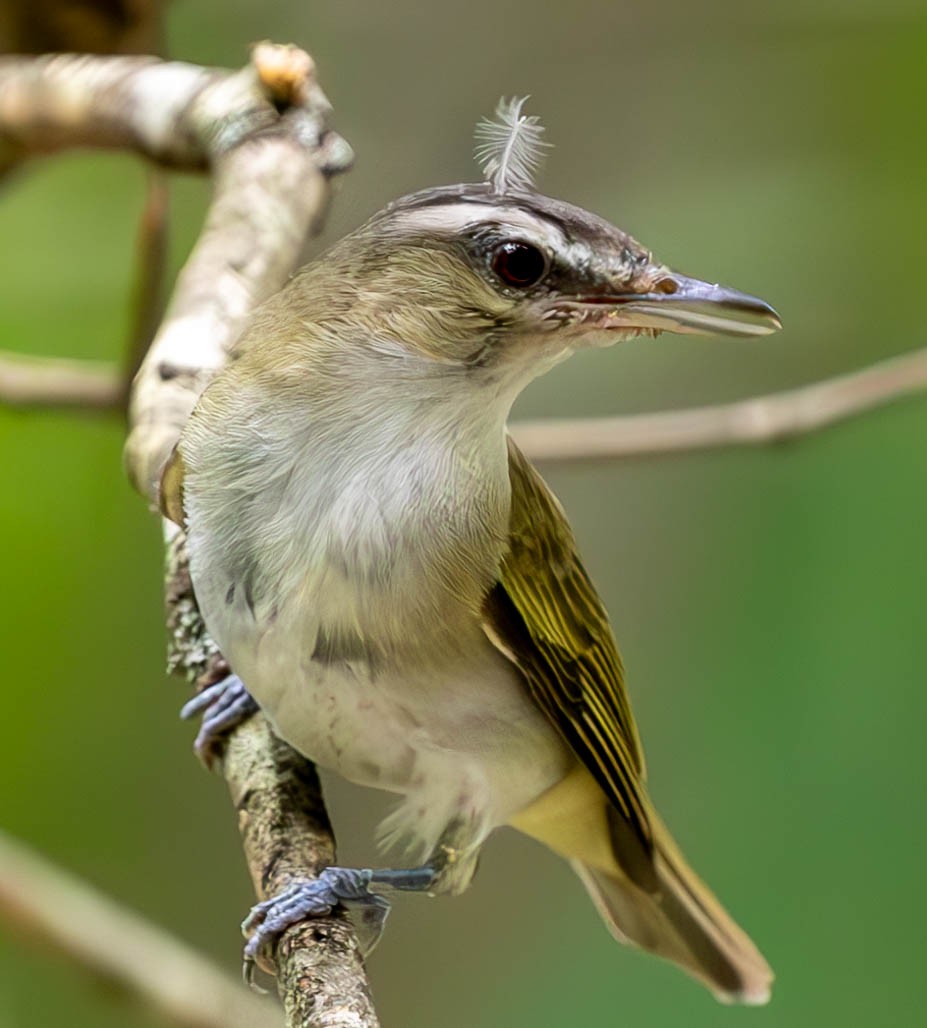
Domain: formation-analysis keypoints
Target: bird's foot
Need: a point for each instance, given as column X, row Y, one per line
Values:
column 224, row 706
column 316, row 897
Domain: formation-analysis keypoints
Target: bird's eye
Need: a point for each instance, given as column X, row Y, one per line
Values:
column 519, row 264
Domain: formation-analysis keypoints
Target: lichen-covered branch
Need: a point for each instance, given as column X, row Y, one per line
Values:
column 263, row 134
column 286, row 832
column 284, row 827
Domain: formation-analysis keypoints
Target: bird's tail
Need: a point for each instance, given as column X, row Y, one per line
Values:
column 681, row 921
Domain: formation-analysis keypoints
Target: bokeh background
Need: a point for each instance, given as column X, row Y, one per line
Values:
column 770, row 602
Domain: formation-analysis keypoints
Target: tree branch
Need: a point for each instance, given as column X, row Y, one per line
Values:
column 263, row 133
column 286, row 833
column 284, row 826
column 57, row 910
column 57, row 383
column 760, row 420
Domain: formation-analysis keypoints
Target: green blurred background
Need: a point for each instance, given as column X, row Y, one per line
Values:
column 769, row 602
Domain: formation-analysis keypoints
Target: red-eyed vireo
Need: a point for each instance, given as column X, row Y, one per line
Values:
column 394, row 583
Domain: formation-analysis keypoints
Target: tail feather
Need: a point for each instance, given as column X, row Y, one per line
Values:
column 680, row 920
column 648, row 897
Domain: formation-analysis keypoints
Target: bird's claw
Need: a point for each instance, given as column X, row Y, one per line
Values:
column 313, row 897
column 223, row 706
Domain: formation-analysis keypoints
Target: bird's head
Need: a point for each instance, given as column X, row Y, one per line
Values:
column 492, row 274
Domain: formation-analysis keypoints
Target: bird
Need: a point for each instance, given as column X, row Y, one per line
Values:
column 395, row 586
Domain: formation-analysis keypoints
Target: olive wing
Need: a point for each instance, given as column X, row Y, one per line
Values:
column 544, row 614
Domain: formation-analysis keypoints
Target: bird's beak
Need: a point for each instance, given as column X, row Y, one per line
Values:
column 680, row 304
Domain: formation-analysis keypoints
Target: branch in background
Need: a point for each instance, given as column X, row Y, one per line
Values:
column 763, row 419
column 165, row 111
column 57, row 910
column 151, row 250
column 760, row 420
column 263, row 133
column 57, row 383
column 85, row 26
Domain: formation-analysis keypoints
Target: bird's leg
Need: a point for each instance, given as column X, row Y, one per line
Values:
column 315, row 897
column 224, row 706
column 355, row 888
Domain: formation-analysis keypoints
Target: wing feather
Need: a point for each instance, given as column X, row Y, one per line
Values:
column 545, row 615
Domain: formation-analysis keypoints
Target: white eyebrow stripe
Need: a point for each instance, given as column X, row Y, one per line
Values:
column 451, row 218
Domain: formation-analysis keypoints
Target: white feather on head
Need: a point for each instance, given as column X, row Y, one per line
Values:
column 510, row 146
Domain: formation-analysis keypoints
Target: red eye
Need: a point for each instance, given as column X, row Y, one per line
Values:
column 519, row 264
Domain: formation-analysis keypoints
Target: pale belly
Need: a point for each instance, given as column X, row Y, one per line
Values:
column 458, row 736
column 340, row 572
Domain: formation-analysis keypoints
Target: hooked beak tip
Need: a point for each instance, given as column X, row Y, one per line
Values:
column 677, row 303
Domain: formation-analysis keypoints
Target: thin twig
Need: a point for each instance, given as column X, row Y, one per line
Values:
column 55, row 909
column 150, row 272
column 757, row 421
column 57, row 383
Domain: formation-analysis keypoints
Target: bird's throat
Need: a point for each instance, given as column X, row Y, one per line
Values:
column 389, row 509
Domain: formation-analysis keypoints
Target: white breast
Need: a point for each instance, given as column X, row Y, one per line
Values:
column 342, row 573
